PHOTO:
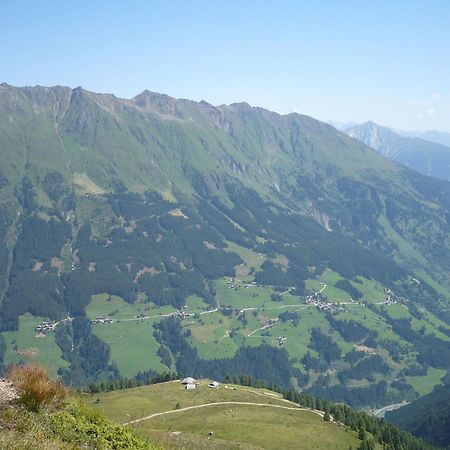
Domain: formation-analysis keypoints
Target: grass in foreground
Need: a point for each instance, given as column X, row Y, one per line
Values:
column 251, row 427
column 46, row 417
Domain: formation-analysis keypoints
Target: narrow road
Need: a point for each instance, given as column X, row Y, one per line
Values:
column 163, row 315
column 323, row 287
column 188, row 408
column 382, row 411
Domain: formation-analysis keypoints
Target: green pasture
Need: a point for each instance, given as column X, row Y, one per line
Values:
column 33, row 347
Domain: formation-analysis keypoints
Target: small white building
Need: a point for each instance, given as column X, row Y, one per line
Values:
column 188, row 380
column 191, row 386
column 213, row 384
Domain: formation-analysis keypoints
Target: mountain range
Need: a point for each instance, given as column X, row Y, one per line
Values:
column 216, row 240
column 427, row 153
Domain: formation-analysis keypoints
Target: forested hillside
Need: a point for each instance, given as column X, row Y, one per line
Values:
column 427, row 417
column 156, row 234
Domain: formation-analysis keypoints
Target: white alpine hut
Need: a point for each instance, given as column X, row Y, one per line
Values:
column 188, row 380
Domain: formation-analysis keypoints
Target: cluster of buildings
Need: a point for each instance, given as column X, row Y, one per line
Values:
column 102, row 319
column 323, row 306
column 190, row 383
column 234, row 284
column 388, row 295
column 281, row 341
column 141, row 316
column 45, row 327
column 270, row 323
column 181, row 314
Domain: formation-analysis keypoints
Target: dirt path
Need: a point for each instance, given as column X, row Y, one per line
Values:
column 188, row 408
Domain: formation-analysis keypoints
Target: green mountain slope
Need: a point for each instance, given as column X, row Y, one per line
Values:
column 427, row 417
column 132, row 210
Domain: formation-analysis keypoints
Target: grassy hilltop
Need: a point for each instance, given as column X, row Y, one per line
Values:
column 265, row 421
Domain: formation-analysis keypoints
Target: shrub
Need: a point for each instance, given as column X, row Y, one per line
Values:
column 78, row 424
column 35, row 387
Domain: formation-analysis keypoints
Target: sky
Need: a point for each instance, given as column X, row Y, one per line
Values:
column 347, row 61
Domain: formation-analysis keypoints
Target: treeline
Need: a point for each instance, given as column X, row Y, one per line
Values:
column 141, row 379
column 427, row 417
column 351, row 330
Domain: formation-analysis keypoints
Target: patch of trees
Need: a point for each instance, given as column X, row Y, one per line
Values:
column 406, row 391
column 223, row 224
column 303, row 241
column 263, row 362
column 36, row 292
column 164, row 354
column 40, row 240
column 364, row 368
column 324, row 345
column 39, row 292
column 431, row 350
column 55, row 186
column 387, row 435
column 287, row 316
column 316, row 364
column 421, row 294
column 173, row 289
column 273, row 275
column 414, row 370
column 354, row 356
column 6, row 219
column 88, row 354
column 350, row 330
column 346, row 286
column 375, row 394
column 170, row 244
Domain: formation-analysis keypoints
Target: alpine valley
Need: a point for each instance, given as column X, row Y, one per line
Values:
column 149, row 235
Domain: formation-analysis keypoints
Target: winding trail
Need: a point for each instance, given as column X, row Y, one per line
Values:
column 204, row 405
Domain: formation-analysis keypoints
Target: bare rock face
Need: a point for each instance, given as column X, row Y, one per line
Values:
column 8, row 392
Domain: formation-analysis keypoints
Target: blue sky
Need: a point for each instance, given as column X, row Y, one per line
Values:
column 388, row 61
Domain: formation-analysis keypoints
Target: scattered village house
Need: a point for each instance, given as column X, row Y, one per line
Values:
column 188, row 380
column 191, row 386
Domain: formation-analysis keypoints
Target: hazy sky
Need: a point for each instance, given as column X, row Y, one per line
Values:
column 388, row 61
